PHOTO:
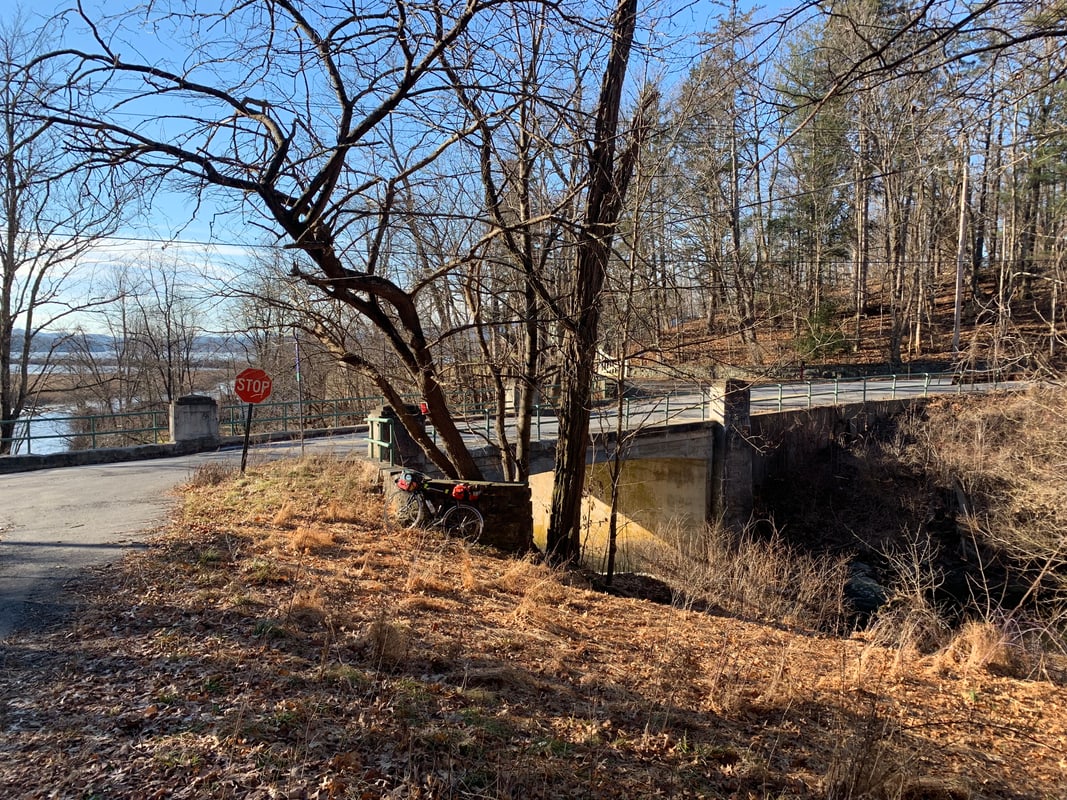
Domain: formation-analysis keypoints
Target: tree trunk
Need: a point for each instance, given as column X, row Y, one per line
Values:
column 608, row 182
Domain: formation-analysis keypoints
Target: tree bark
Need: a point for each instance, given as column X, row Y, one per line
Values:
column 608, row 181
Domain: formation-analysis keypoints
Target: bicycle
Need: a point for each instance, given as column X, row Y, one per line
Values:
column 421, row 502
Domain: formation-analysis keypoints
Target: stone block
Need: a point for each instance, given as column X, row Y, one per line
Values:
column 194, row 418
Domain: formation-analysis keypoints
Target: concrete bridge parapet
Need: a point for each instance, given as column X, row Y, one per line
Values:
column 730, row 461
column 195, row 419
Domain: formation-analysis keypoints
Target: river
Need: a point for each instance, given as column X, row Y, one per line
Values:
column 48, row 429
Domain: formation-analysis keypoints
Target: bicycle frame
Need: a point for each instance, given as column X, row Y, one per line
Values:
column 418, row 504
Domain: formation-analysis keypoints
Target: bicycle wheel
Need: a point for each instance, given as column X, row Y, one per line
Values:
column 463, row 521
column 405, row 509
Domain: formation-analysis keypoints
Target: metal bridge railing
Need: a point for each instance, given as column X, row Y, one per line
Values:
column 680, row 403
column 90, row 431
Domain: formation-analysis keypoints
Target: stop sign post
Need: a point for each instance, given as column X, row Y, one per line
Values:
column 252, row 385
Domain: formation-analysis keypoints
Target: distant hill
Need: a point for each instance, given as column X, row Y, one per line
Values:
column 64, row 343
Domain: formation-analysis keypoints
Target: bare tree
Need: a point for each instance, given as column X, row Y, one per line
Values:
column 609, row 172
column 273, row 317
column 51, row 215
column 329, row 126
column 296, row 138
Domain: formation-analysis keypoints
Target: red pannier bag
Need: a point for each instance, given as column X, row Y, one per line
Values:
column 464, row 492
column 407, row 482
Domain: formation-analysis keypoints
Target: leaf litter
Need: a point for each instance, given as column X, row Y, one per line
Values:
column 327, row 656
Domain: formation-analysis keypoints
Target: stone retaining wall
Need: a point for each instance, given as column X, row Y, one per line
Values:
column 506, row 508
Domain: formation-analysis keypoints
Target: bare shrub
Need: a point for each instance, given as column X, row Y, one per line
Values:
column 213, row 473
column 1000, row 461
column 751, row 576
column 727, row 688
column 912, row 628
column 910, row 622
column 864, row 764
column 1003, row 458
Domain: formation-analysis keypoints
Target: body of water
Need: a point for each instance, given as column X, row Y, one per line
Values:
column 48, row 431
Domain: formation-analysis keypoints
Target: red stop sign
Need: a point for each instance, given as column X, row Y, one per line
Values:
column 252, row 385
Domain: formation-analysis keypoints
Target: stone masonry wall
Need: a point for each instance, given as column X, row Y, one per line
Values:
column 506, row 508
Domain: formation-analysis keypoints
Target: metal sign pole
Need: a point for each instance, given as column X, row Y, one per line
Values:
column 299, row 391
column 248, row 430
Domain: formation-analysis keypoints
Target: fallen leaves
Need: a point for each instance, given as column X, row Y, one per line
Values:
column 224, row 663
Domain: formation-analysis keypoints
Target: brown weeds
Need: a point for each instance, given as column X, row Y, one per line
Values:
column 751, row 576
column 392, row 663
column 311, row 538
column 284, row 516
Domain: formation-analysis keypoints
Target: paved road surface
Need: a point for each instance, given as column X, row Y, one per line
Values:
column 56, row 522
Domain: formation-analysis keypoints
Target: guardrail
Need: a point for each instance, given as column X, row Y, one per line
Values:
column 296, row 415
column 60, row 432
column 836, row 391
column 90, row 431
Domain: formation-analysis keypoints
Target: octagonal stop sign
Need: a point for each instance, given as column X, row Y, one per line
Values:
column 252, row 385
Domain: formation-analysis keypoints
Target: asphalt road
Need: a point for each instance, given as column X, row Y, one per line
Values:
column 55, row 523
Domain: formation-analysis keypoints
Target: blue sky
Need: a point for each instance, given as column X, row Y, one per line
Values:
column 218, row 242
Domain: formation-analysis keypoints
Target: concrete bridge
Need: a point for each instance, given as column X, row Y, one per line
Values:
column 690, row 455
column 675, row 478
column 706, row 455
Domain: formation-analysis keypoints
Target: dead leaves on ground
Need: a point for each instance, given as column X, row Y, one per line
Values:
column 278, row 642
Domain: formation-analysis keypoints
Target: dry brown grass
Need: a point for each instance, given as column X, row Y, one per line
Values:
column 751, row 576
column 311, row 538
column 309, row 608
column 336, row 511
column 389, row 642
column 284, row 516
column 211, row 474
column 396, row 664
column 984, row 646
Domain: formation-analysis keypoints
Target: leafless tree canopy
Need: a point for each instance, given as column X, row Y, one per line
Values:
column 52, row 212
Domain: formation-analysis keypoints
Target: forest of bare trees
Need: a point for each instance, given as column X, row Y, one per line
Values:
column 502, row 200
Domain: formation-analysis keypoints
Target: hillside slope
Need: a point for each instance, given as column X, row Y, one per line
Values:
column 277, row 641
